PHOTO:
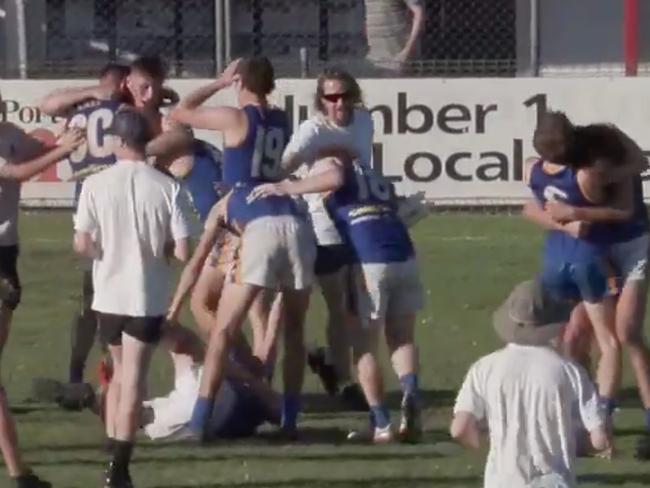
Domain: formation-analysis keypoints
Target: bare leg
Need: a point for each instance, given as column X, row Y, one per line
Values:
column 205, row 298
column 8, row 436
column 630, row 313
column 609, row 368
column 114, row 392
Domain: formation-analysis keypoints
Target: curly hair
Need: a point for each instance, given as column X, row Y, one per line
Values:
column 349, row 82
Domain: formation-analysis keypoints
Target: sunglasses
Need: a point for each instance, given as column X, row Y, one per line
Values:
column 335, row 97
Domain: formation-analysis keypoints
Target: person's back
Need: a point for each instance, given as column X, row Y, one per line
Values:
column 257, row 158
column 364, row 210
column 529, row 394
column 530, row 397
column 129, row 219
column 135, row 203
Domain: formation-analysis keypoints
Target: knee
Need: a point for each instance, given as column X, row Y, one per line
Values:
column 612, row 346
column 10, row 294
column 630, row 336
column 222, row 337
column 198, row 302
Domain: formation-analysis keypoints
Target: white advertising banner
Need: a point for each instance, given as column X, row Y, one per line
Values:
column 461, row 141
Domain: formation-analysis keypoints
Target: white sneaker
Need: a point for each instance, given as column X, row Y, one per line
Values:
column 376, row 436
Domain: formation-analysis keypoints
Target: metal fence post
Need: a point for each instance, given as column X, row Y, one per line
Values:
column 304, row 62
column 218, row 36
column 227, row 31
column 534, row 38
column 21, row 30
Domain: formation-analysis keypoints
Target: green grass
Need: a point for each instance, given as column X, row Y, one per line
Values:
column 468, row 262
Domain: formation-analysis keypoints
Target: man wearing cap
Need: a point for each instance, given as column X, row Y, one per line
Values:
column 529, row 396
column 130, row 219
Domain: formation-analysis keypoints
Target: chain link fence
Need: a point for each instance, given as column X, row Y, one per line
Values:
column 74, row 38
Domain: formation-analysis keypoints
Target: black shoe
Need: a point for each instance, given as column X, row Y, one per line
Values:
column 410, row 428
column 30, row 480
column 642, row 451
column 113, row 479
column 77, row 396
column 353, row 398
column 326, row 372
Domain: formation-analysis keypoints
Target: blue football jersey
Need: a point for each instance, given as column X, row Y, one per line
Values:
column 95, row 116
column 258, row 158
column 364, row 211
column 241, row 212
column 637, row 225
column 562, row 186
column 203, row 182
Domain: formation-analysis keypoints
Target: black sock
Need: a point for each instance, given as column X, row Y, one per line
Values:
column 122, row 451
column 110, row 445
column 76, row 374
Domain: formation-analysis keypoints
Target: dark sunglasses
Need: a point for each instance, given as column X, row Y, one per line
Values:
column 335, row 97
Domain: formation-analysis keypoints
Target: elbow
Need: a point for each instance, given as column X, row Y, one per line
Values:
column 182, row 251
column 79, row 246
column 50, row 108
column 599, row 440
column 456, row 430
column 338, row 181
column 182, row 256
column 626, row 214
column 45, row 108
column 179, row 114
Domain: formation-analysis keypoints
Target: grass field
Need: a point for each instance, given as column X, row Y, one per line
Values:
column 468, row 262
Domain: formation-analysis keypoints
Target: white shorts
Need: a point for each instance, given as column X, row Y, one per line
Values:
column 276, row 252
column 630, row 258
column 386, row 290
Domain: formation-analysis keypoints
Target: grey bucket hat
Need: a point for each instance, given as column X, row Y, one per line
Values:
column 530, row 315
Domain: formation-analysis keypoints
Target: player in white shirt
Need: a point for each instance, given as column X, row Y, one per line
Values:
column 21, row 158
column 341, row 123
column 131, row 219
column 529, row 396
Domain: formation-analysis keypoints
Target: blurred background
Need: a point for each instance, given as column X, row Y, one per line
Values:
column 468, row 38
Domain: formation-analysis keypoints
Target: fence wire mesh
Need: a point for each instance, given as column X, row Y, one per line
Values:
column 80, row 36
column 73, row 38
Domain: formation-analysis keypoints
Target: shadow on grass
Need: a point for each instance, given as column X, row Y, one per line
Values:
column 614, row 479
column 27, row 408
column 629, row 398
column 385, row 482
column 323, row 403
column 210, row 456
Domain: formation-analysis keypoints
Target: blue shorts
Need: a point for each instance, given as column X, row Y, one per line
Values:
column 579, row 281
column 237, row 412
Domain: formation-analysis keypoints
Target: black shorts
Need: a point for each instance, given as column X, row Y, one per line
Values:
column 10, row 290
column 145, row 329
column 330, row 259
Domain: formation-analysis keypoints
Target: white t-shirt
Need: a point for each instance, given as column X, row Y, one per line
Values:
column 132, row 210
column 529, row 397
column 316, row 134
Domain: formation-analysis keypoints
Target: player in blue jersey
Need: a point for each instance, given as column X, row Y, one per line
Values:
column 275, row 248
column 620, row 222
column 389, row 293
column 93, row 109
column 575, row 261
